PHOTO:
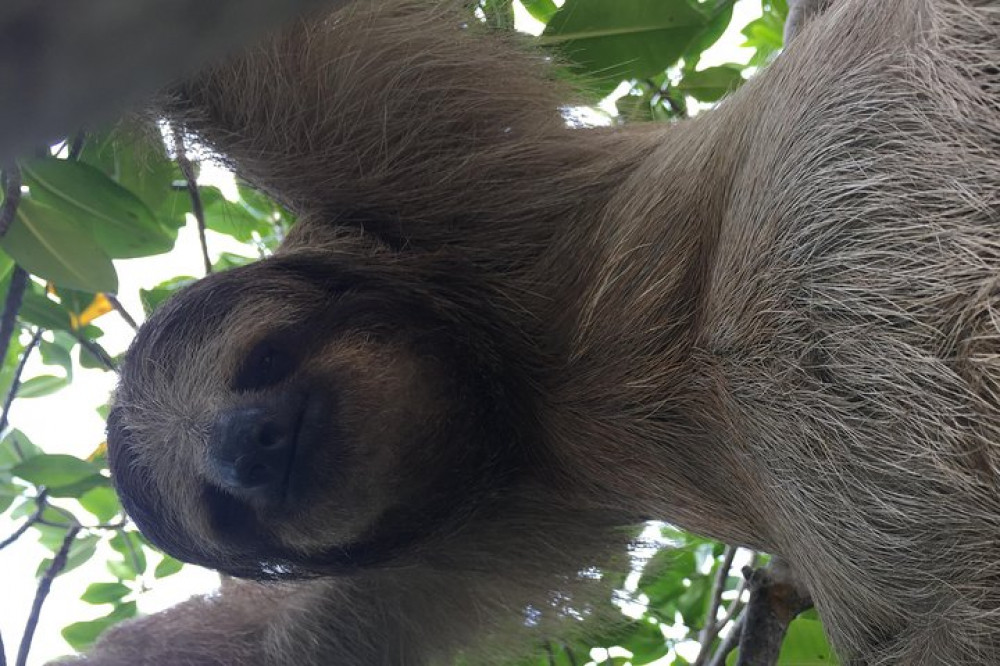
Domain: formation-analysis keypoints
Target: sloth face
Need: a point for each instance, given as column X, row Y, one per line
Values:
column 303, row 416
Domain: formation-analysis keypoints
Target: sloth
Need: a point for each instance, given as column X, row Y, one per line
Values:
column 493, row 342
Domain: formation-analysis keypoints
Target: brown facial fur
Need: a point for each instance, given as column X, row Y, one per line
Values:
column 773, row 324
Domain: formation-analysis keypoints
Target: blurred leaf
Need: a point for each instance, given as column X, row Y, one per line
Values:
column 627, row 38
column 8, row 493
column 79, row 488
column 41, row 386
column 135, row 160
column 712, row 83
column 54, row 470
column 8, row 451
column 540, row 10
column 83, row 549
column 234, row 219
column 128, row 545
column 48, row 244
column 54, row 353
column 41, row 311
column 81, row 635
column 123, row 225
column 102, row 502
column 168, row 566
column 152, row 298
column 228, row 260
column 104, row 593
column 646, row 644
column 805, row 644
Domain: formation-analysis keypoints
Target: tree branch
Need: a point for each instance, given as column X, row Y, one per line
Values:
column 11, row 197
column 44, row 585
column 187, row 169
column 15, row 383
column 11, row 308
column 775, row 599
column 41, row 501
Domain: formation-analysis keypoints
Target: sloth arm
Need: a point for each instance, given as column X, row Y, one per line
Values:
column 319, row 622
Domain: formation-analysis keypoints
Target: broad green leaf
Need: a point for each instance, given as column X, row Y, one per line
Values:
column 41, row 386
column 90, row 359
column 135, row 160
column 8, row 493
column 228, row 260
column 57, row 353
column 626, row 38
column 102, row 502
column 718, row 20
column 122, row 224
column 805, row 644
column 712, row 83
column 105, row 593
column 647, row 644
column 50, row 245
column 235, row 220
column 54, row 470
column 77, row 489
column 168, row 566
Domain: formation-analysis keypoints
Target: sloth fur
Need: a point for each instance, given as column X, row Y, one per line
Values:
column 494, row 342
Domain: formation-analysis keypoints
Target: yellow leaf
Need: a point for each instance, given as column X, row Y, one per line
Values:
column 101, row 449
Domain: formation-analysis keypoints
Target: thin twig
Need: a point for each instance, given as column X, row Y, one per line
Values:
column 98, row 352
column 187, row 170
column 76, row 146
column 15, row 383
column 44, row 585
column 712, row 626
column 122, row 312
column 728, row 644
column 11, row 197
column 11, row 308
column 41, row 501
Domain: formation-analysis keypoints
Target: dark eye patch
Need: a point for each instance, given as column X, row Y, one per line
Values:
column 267, row 364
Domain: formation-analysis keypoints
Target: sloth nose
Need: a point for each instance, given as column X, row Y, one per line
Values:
column 251, row 452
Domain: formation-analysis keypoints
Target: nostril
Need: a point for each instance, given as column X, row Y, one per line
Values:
column 256, row 476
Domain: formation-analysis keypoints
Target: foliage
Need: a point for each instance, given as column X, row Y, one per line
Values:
column 117, row 194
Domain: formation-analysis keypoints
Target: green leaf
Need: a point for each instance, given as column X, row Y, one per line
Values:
column 168, row 566
column 122, row 224
column 152, row 298
column 77, row 489
column 129, row 546
column 41, row 386
column 54, row 470
column 805, row 644
column 540, row 10
column 15, row 441
column 57, row 353
column 626, row 38
column 48, row 244
column 42, row 311
column 136, row 160
column 102, row 502
column 105, row 593
column 81, row 635
column 81, row 551
column 8, row 493
column 712, row 83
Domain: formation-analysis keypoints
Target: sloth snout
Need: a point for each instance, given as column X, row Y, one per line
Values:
column 251, row 452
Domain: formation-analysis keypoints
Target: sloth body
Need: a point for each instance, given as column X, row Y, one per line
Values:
column 492, row 342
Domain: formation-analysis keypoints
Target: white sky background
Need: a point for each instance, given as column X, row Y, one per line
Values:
column 67, row 422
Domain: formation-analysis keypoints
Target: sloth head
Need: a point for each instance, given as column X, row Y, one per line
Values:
column 304, row 416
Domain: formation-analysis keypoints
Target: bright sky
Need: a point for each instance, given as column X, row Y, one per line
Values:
column 67, row 422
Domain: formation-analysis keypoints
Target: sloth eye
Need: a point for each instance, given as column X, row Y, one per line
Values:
column 266, row 365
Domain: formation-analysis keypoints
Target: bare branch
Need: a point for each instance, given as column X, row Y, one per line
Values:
column 11, row 197
column 11, row 308
column 40, row 503
column 729, row 643
column 712, row 626
column 44, row 585
column 187, row 169
column 15, row 383
column 122, row 312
